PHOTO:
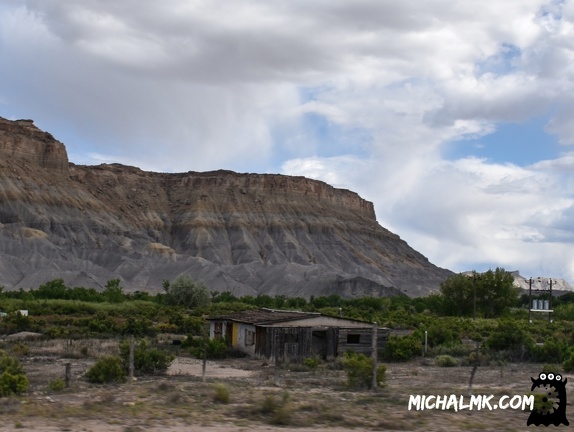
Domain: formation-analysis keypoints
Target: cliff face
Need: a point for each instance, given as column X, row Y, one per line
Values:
column 23, row 142
column 244, row 233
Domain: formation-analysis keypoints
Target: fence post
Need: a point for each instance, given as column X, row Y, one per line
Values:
column 131, row 366
column 374, row 356
column 68, row 375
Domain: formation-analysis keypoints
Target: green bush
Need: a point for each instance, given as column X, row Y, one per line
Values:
column 568, row 364
column 13, row 380
column 482, row 359
column 281, row 412
column 442, row 333
column 551, row 368
column 147, row 361
column 446, row 361
column 107, row 369
column 12, row 384
column 138, row 326
column 216, row 348
column 312, row 362
column 360, row 370
column 454, row 350
column 552, row 351
column 402, row 348
column 221, row 393
column 57, row 385
column 20, row 350
column 508, row 336
column 269, row 405
column 185, row 292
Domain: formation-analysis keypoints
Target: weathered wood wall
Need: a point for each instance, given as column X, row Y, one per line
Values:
column 346, row 340
column 297, row 343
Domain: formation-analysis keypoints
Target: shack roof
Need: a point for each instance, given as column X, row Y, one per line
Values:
column 268, row 317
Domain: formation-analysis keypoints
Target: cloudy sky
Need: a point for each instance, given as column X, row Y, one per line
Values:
column 455, row 117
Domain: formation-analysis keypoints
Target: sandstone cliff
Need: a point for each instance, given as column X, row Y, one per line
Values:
column 244, row 233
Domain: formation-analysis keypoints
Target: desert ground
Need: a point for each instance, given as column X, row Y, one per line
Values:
column 261, row 397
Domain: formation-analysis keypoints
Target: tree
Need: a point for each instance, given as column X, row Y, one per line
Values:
column 12, row 376
column 495, row 293
column 54, row 289
column 184, row 291
column 457, row 293
column 147, row 360
column 113, row 292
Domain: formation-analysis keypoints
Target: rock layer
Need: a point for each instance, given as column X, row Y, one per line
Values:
column 244, row 233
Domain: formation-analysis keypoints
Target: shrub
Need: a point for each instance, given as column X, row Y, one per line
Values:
column 57, row 385
column 283, row 416
column 281, row 412
column 221, row 393
column 446, row 361
column 216, row 348
column 101, row 323
column 551, row 368
column 106, row 369
column 552, row 351
column 185, row 292
column 12, row 377
column 312, row 362
column 20, row 350
column 482, row 359
column 360, row 370
column 509, row 335
column 147, row 361
column 454, row 350
column 189, row 325
column 442, row 333
column 269, row 405
column 138, row 327
column 568, row 364
column 113, row 292
column 402, row 348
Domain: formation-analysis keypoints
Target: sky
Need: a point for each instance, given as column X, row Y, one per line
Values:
column 455, row 118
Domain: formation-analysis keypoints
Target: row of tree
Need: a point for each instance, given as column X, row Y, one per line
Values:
column 487, row 295
column 484, row 295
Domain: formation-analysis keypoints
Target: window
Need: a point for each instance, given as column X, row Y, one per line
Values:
column 249, row 337
column 217, row 330
column 353, row 338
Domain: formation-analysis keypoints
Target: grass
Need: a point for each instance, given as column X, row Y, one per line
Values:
column 221, row 393
column 313, row 398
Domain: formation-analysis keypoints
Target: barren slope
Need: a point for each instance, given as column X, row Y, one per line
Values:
column 245, row 233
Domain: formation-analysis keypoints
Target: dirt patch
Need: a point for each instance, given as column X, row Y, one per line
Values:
column 185, row 366
column 259, row 398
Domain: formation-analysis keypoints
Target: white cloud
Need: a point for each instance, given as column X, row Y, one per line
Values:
column 197, row 85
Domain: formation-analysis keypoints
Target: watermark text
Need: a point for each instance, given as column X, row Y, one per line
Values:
column 475, row 402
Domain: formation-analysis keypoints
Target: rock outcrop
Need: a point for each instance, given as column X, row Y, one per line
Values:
column 244, row 233
column 23, row 142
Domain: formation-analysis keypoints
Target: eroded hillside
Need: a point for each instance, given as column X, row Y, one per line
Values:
column 245, row 233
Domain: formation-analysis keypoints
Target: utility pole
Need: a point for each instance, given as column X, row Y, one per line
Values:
column 473, row 277
column 550, row 303
column 474, row 295
column 529, row 299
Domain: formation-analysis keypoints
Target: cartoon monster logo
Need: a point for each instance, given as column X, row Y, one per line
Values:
column 549, row 400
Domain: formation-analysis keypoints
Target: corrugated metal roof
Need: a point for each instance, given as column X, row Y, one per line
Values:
column 266, row 316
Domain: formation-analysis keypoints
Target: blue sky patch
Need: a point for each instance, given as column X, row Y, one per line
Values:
column 518, row 143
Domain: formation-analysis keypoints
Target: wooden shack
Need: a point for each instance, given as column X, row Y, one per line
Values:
column 294, row 336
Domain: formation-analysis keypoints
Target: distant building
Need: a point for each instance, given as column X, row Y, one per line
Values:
column 294, row 336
